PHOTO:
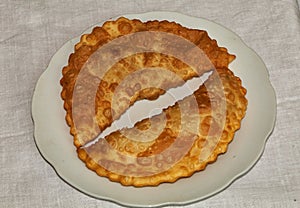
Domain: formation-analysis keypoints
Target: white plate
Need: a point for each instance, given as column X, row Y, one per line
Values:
column 55, row 143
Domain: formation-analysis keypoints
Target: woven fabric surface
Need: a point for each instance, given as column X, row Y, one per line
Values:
column 31, row 33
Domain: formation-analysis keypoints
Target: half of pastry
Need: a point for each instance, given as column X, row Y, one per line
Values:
column 180, row 141
column 120, row 50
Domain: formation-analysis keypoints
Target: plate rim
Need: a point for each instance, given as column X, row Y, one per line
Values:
column 48, row 159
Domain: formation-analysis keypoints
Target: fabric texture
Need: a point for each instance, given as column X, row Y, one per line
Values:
column 31, row 33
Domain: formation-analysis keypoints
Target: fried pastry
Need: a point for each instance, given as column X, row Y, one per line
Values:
column 124, row 61
column 89, row 88
column 186, row 144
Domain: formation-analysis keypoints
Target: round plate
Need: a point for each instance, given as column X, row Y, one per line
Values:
column 56, row 144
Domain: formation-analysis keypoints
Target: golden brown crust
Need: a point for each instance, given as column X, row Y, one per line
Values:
column 102, row 116
column 111, row 161
column 124, row 156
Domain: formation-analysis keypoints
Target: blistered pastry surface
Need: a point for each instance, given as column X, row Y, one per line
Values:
column 139, row 163
column 86, row 83
column 172, row 146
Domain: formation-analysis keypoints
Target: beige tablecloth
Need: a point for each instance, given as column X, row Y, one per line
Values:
column 32, row 31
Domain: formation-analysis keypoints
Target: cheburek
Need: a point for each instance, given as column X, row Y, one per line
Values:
column 86, row 116
column 93, row 100
column 149, row 163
